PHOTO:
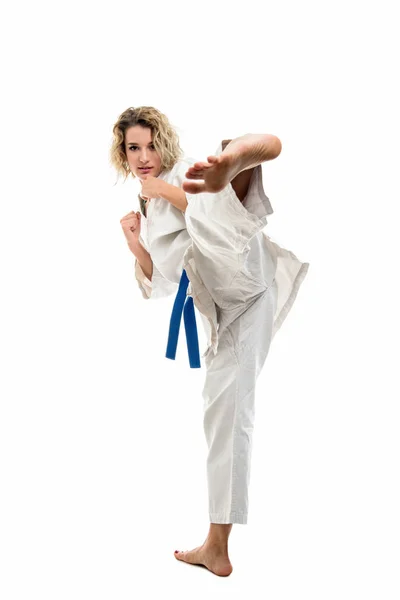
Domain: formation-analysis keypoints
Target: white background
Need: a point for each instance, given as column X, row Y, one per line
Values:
column 101, row 443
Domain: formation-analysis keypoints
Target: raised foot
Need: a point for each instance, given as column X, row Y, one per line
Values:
column 214, row 559
column 242, row 153
column 216, row 174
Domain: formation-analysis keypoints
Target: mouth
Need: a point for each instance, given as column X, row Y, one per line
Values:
column 145, row 169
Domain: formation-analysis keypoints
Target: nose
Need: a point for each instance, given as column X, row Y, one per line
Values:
column 143, row 156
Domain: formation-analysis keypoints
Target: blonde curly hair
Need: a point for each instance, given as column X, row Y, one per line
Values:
column 164, row 137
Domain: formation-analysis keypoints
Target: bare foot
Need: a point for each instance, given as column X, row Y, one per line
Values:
column 216, row 174
column 242, row 153
column 214, row 558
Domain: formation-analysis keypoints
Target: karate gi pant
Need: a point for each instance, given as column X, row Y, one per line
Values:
column 238, row 273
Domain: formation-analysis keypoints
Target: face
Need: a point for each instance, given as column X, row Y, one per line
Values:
column 142, row 157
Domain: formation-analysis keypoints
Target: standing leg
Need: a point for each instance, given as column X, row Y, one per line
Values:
column 229, row 406
column 229, row 409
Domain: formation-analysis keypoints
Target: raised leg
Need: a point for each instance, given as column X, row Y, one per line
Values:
column 241, row 182
column 240, row 154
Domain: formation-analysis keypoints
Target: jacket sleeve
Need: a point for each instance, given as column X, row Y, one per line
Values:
column 158, row 287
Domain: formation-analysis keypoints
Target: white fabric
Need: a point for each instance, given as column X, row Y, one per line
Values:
column 165, row 236
column 244, row 285
column 229, row 406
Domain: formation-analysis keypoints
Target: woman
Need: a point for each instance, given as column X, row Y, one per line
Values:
column 205, row 220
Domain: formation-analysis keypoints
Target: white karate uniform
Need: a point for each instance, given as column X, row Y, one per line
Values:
column 243, row 285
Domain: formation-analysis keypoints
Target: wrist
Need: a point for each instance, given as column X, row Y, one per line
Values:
column 161, row 187
column 134, row 245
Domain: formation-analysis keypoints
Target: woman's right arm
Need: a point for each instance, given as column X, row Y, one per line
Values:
column 143, row 258
column 151, row 283
column 131, row 225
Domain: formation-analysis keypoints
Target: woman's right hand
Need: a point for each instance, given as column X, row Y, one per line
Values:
column 131, row 227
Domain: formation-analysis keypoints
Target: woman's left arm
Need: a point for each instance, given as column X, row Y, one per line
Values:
column 153, row 187
column 176, row 196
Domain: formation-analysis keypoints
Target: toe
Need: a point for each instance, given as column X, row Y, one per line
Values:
column 193, row 557
column 194, row 175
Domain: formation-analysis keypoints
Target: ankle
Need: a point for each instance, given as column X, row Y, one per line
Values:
column 218, row 535
column 216, row 546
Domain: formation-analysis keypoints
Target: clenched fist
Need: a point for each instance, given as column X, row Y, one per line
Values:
column 152, row 187
column 131, row 227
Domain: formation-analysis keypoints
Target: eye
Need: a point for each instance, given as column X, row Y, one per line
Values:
column 132, row 147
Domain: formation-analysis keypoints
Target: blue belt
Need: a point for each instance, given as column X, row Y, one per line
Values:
column 184, row 303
